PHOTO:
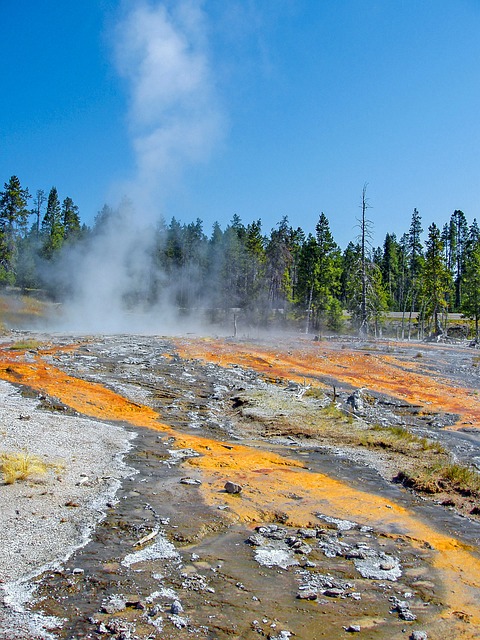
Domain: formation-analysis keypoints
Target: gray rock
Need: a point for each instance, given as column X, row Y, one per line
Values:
column 232, row 487
column 418, row 635
column 403, row 609
column 114, row 604
column 191, row 481
column 407, row 615
column 334, row 592
column 388, row 565
column 155, row 610
column 359, row 554
column 176, row 607
column 331, row 547
column 304, row 549
column 379, row 567
column 356, row 401
column 119, row 626
column 256, row 540
column 283, row 635
column 308, row 564
column 353, row 628
column 307, row 594
column 136, row 603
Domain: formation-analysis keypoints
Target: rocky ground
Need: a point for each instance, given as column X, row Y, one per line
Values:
column 148, row 532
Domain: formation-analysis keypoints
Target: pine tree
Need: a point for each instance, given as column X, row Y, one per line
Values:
column 191, row 275
column 473, row 235
column 367, row 299
column 38, row 202
column 255, row 267
column 390, row 269
column 459, row 232
column 401, row 286
column 52, row 228
column 280, row 257
column 70, row 219
column 13, row 223
column 435, row 278
column 349, row 266
column 471, row 287
column 327, row 270
column 213, row 276
column 234, row 263
column 307, row 279
column 173, row 253
column 415, row 259
column 353, row 279
column 103, row 218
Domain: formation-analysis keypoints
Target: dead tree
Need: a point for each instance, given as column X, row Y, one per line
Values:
column 365, row 236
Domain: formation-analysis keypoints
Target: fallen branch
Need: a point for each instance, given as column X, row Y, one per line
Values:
column 151, row 535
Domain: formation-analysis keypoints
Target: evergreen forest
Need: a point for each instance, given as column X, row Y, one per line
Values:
column 289, row 275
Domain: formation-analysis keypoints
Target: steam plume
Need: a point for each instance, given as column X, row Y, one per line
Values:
column 173, row 120
column 174, row 117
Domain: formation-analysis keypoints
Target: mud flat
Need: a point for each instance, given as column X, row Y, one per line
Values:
column 310, row 540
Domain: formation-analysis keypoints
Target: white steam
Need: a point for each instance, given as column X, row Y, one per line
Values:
column 174, row 118
column 161, row 50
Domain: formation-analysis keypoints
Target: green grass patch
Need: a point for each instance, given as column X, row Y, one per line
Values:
column 25, row 345
column 334, row 412
column 442, row 477
column 400, row 440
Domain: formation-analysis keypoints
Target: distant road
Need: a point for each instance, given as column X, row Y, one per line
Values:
column 398, row 314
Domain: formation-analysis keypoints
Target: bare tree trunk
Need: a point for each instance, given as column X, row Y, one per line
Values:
column 309, row 309
column 410, row 315
column 363, row 305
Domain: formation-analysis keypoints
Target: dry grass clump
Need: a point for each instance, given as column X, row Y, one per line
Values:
column 23, row 466
column 400, row 440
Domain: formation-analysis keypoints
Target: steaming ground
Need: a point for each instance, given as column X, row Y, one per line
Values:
column 197, row 559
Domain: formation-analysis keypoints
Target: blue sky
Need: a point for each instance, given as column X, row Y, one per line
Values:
column 261, row 108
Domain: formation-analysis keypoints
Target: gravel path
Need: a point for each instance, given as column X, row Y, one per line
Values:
column 43, row 521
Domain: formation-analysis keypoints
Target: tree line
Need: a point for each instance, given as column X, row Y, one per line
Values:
column 287, row 273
